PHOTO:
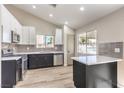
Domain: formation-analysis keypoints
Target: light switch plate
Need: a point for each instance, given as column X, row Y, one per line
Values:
column 117, row 50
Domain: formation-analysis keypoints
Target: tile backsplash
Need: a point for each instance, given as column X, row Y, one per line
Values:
column 112, row 49
column 30, row 48
column 8, row 46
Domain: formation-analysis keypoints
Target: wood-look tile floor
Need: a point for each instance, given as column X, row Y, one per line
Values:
column 53, row 77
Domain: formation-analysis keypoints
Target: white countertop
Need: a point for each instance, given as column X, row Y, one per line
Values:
column 95, row 59
column 11, row 58
column 41, row 52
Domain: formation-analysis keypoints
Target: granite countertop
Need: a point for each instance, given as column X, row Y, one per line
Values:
column 95, row 59
column 11, row 58
column 41, row 52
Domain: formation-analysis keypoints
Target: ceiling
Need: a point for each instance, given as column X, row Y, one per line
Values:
column 70, row 12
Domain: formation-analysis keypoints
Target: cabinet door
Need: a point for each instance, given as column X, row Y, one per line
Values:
column 14, row 23
column 32, row 61
column 79, row 74
column 16, row 26
column 40, row 61
column 6, row 28
column 58, row 37
column 8, row 74
column 25, row 35
column 49, row 60
column 36, row 61
column 32, row 36
column 20, row 33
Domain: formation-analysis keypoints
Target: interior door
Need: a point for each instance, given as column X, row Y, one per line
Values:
column 70, row 49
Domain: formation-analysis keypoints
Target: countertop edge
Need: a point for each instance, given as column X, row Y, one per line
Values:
column 27, row 53
column 97, row 63
column 11, row 58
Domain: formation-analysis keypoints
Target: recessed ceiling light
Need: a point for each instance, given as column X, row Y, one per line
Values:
column 34, row 6
column 51, row 15
column 81, row 8
column 66, row 22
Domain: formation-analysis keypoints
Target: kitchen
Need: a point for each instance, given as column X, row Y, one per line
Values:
column 43, row 51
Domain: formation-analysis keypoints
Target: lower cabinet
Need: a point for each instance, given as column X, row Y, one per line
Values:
column 40, row 60
column 79, row 74
column 11, row 73
column 95, row 76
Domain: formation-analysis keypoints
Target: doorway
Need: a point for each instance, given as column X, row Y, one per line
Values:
column 70, row 48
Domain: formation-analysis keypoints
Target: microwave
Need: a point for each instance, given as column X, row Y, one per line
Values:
column 15, row 38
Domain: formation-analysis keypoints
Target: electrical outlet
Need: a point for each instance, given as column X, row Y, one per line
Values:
column 117, row 50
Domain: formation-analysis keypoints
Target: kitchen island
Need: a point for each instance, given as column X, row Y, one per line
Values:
column 95, row 71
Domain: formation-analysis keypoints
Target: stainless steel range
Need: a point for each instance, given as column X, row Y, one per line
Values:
column 9, row 53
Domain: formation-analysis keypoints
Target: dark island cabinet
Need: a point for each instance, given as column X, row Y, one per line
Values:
column 95, row 76
column 79, row 74
column 40, row 61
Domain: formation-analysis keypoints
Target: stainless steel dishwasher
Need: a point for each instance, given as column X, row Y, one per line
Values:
column 58, row 59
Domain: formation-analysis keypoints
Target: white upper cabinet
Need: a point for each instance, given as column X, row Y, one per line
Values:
column 15, row 25
column 25, row 35
column 32, row 36
column 20, row 33
column 9, row 23
column 6, row 27
column 28, row 35
column 12, row 23
column 58, row 37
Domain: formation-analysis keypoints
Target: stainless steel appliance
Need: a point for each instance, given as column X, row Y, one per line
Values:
column 19, row 70
column 24, row 64
column 11, row 69
column 15, row 38
column 58, row 59
column 9, row 53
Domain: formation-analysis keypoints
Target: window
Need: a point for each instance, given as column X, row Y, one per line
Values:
column 82, row 43
column 91, row 42
column 87, row 42
column 45, row 41
column 40, row 41
column 49, row 41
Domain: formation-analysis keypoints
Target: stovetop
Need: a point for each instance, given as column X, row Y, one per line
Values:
column 9, row 53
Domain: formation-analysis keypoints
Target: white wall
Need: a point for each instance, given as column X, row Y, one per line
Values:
column 110, row 29
column 42, row 26
column 67, row 30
